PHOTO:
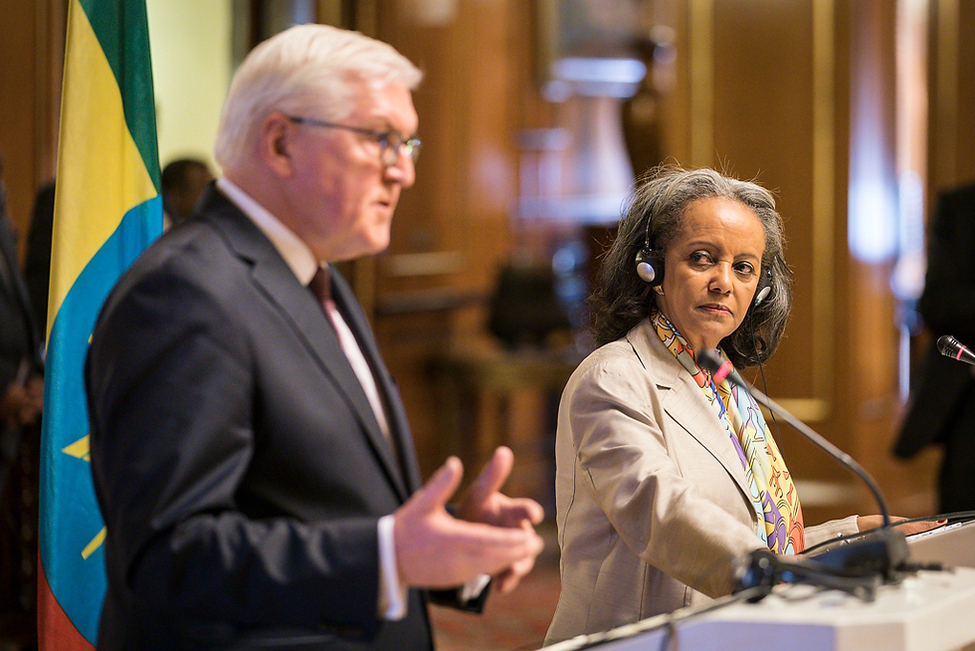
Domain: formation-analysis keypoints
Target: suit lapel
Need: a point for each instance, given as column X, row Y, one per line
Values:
column 687, row 405
column 279, row 285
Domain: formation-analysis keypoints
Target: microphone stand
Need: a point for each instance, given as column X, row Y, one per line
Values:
column 881, row 555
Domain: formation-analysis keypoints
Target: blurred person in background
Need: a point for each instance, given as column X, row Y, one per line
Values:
column 21, row 403
column 942, row 407
column 183, row 182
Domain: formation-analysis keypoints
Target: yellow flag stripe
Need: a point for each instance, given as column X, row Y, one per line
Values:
column 95, row 188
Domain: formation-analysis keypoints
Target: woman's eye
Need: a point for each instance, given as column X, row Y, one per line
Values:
column 700, row 257
column 745, row 270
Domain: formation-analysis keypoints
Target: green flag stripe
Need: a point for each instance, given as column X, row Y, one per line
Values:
column 127, row 52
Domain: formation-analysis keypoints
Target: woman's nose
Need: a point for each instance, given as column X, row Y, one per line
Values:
column 722, row 277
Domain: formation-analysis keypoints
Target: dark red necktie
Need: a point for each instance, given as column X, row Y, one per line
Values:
column 321, row 287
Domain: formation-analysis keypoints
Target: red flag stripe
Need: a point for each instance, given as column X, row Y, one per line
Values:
column 54, row 629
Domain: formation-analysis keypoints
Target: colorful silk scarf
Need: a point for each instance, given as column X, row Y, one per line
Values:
column 773, row 494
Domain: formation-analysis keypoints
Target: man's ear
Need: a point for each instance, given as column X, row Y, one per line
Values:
column 275, row 141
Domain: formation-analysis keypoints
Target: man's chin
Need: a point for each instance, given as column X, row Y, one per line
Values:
column 372, row 246
column 378, row 244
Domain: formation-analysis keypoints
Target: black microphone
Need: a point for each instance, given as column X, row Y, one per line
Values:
column 951, row 347
column 882, row 553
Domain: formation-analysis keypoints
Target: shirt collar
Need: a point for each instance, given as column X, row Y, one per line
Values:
column 296, row 253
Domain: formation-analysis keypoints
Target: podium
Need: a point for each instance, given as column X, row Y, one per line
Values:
column 930, row 611
column 952, row 545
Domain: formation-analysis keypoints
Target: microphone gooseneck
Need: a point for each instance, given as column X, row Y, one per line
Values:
column 721, row 369
column 951, row 347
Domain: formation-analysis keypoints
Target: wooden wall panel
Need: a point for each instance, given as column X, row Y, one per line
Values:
column 966, row 92
column 763, row 130
column 762, row 87
column 31, row 47
column 452, row 230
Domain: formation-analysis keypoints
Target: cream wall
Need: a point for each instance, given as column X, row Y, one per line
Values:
column 191, row 67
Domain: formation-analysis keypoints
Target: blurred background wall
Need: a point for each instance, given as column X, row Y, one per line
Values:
column 535, row 119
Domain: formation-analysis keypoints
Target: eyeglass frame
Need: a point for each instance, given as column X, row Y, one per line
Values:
column 390, row 142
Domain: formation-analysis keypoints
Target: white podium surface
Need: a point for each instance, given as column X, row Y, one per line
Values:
column 952, row 545
column 932, row 611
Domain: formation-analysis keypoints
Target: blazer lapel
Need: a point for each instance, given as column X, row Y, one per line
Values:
column 686, row 404
column 278, row 283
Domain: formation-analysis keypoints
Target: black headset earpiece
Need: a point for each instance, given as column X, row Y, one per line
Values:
column 650, row 266
column 764, row 288
column 649, row 263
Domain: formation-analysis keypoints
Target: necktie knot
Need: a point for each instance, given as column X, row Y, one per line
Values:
column 321, row 285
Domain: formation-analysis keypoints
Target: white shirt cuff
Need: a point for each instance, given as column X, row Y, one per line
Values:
column 473, row 588
column 392, row 595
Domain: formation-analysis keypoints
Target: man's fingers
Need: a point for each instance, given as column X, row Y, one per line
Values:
column 444, row 551
column 509, row 579
column 497, row 547
column 528, row 509
column 520, row 555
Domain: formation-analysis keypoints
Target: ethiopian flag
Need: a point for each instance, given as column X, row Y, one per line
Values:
column 107, row 209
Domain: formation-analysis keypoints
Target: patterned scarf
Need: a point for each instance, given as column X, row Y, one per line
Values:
column 772, row 492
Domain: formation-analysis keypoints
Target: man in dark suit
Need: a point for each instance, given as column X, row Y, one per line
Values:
column 21, row 401
column 942, row 409
column 21, row 384
column 249, row 450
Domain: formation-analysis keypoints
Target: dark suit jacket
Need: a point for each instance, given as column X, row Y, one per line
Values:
column 948, row 307
column 19, row 339
column 37, row 264
column 237, row 462
column 19, row 359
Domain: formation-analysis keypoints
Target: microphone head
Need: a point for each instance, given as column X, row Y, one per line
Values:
column 948, row 345
column 756, row 569
column 717, row 367
column 951, row 347
column 707, row 360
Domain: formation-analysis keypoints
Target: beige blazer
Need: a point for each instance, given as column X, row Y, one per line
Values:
column 651, row 501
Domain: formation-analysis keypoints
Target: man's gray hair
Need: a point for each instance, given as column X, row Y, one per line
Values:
column 306, row 70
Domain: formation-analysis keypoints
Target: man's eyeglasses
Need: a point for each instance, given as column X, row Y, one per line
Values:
column 390, row 142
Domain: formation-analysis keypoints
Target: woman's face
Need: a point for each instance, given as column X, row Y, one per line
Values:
column 712, row 270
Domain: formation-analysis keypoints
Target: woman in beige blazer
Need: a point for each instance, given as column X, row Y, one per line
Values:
column 663, row 477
